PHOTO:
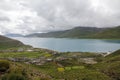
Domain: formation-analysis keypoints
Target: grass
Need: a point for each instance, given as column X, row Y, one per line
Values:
column 70, row 69
column 80, row 74
column 25, row 70
column 22, row 54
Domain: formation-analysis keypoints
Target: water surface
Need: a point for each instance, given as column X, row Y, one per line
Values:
column 73, row 45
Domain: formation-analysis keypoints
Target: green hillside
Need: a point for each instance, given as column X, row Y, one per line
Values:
column 68, row 69
column 116, row 53
column 83, row 32
column 9, row 43
column 36, row 65
column 109, row 33
column 78, row 32
column 110, row 65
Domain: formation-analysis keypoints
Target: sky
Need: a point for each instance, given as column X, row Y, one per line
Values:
column 31, row 16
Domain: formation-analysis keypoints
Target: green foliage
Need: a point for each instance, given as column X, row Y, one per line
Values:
column 89, row 55
column 110, row 65
column 44, row 78
column 4, row 65
column 47, row 55
column 13, row 76
column 116, row 53
column 74, row 67
column 78, row 67
column 111, row 69
column 72, row 74
column 60, row 69
column 110, row 33
column 21, row 54
column 83, row 32
column 6, row 43
column 68, row 68
column 107, row 67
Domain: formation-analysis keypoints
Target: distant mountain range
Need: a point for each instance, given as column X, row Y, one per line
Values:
column 13, row 35
column 6, row 43
column 83, row 32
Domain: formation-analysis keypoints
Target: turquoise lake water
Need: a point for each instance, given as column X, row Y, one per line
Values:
column 73, row 45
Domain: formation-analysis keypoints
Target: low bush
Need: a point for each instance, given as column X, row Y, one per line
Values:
column 4, row 65
column 61, row 69
column 13, row 76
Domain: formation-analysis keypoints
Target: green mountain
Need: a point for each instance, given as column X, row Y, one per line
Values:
column 78, row 32
column 82, row 32
column 13, row 35
column 6, row 42
column 109, row 33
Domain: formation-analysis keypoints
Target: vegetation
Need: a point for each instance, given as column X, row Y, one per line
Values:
column 13, row 76
column 21, row 71
column 40, row 64
column 70, row 69
column 110, row 33
column 6, row 43
column 78, row 32
column 83, row 32
column 22, row 54
column 110, row 65
column 4, row 65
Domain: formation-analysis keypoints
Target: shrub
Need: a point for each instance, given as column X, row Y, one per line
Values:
column 68, row 68
column 47, row 55
column 4, row 65
column 61, row 69
column 78, row 67
column 44, row 78
column 13, row 76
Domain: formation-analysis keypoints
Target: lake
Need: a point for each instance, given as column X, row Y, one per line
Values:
column 73, row 45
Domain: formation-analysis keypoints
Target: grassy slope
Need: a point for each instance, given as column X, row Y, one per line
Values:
column 78, row 32
column 83, row 32
column 49, row 72
column 50, row 68
column 23, row 54
column 107, row 69
column 113, row 33
column 9, row 43
column 110, row 65
column 79, row 74
column 29, row 72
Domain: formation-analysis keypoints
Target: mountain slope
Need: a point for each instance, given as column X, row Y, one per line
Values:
column 13, row 35
column 109, row 33
column 83, row 32
column 114, row 54
column 6, row 42
column 78, row 32
column 110, row 65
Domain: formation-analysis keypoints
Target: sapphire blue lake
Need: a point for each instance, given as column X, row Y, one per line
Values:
column 72, row 45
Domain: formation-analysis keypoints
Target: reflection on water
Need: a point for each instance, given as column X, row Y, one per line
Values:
column 112, row 41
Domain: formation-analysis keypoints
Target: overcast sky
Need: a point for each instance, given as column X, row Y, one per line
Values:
column 29, row 16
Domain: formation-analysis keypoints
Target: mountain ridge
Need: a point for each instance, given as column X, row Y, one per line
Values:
column 13, row 35
column 6, row 43
column 82, row 32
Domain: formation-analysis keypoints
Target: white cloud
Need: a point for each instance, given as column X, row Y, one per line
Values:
column 29, row 16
